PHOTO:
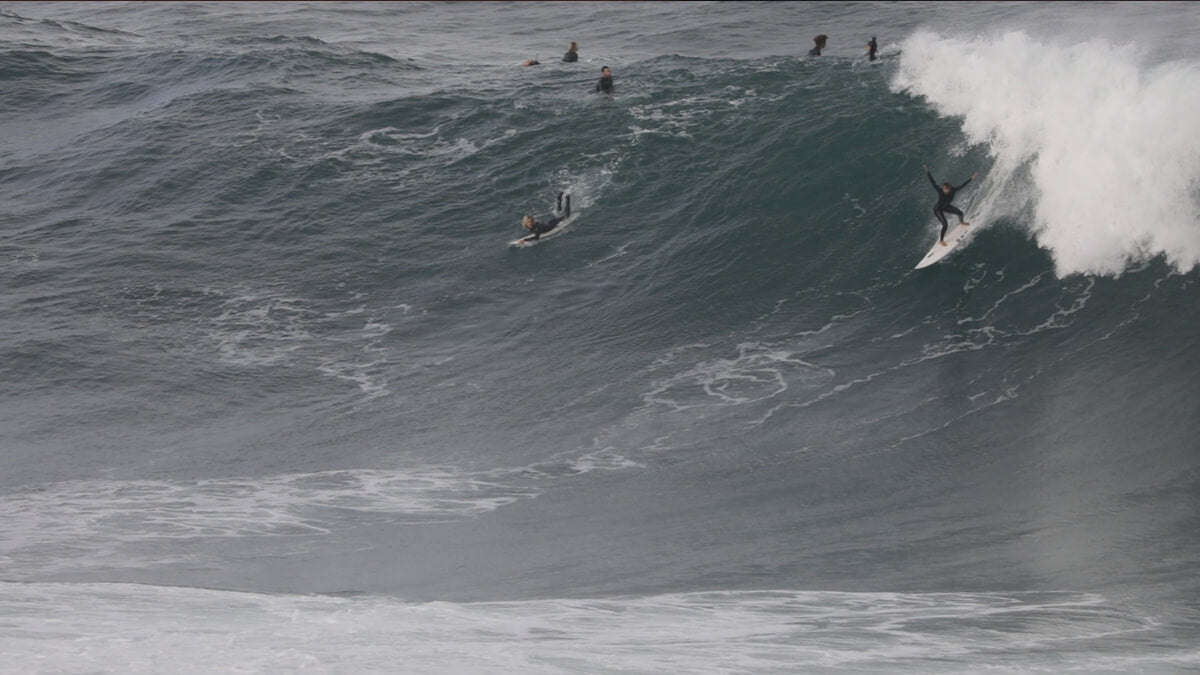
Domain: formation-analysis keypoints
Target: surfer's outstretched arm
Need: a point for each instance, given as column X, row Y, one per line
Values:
column 932, row 181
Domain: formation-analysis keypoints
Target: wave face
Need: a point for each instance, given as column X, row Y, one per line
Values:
column 270, row 361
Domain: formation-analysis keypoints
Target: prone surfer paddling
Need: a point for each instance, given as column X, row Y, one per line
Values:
column 946, row 193
column 562, row 211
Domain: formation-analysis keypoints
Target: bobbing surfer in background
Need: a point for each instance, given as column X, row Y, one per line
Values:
column 946, row 193
column 605, row 85
column 818, row 45
column 562, row 212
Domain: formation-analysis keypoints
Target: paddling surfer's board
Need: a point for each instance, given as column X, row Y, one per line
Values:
column 953, row 238
column 530, row 241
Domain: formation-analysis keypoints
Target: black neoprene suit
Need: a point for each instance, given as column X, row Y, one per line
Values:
column 564, row 211
column 943, row 205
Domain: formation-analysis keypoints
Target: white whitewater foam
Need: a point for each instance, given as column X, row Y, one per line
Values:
column 149, row 629
column 1099, row 149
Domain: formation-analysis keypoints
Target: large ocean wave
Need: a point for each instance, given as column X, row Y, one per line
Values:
column 1096, row 150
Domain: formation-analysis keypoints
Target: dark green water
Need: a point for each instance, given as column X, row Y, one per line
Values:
column 269, row 360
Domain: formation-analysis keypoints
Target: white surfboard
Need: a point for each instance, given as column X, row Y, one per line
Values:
column 953, row 237
column 528, row 240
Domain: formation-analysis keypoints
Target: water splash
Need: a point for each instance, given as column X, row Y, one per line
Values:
column 1101, row 150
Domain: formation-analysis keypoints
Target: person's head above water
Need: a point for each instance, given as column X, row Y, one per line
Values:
column 605, row 72
column 527, row 221
column 574, row 47
column 946, row 187
column 820, row 40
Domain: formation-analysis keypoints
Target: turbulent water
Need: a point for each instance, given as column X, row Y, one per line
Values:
column 278, row 395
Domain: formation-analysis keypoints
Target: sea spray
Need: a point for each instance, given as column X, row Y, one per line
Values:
column 1099, row 150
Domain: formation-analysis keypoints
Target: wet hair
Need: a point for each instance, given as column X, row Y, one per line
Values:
column 574, row 46
column 820, row 40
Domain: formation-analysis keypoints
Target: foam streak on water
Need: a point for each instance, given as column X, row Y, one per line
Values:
column 148, row 629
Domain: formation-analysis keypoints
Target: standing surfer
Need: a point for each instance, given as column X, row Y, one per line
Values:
column 872, row 48
column 946, row 193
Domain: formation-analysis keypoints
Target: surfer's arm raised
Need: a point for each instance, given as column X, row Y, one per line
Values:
column 973, row 176
column 932, row 180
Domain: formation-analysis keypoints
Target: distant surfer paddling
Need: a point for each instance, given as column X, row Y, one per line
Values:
column 562, row 211
column 946, row 194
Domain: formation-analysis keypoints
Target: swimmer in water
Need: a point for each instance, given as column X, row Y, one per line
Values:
column 818, row 45
column 605, row 85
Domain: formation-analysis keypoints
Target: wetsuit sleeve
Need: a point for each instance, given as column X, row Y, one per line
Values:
column 963, row 185
column 932, row 181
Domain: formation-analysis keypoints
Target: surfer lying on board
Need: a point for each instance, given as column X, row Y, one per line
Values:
column 945, row 196
column 562, row 211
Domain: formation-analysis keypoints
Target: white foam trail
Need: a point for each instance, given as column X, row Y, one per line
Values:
column 1102, row 149
column 80, row 524
column 69, row 628
column 87, row 524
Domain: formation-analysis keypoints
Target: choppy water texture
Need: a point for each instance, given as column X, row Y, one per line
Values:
column 279, row 396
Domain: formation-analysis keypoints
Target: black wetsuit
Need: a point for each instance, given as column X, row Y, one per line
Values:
column 539, row 228
column 605, row 84
column 871, row 49
column 571, row 57
column 943, row 205
column 815, row 51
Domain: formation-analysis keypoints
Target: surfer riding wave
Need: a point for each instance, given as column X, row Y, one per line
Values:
column 946, row 194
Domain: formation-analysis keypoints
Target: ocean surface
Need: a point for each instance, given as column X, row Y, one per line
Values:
column 278, row 396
